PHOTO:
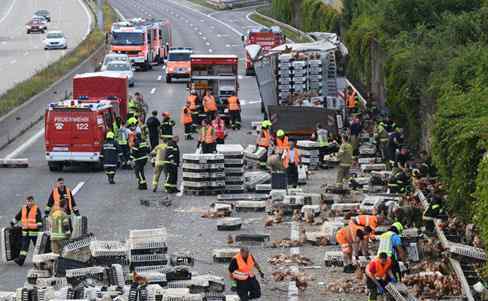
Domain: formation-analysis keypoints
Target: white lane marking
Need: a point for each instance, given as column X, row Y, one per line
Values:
column 207, row 43
column 292, row 287
column 8, row 11
column 77, row 188
column 200, row 33
column 25, row 145
column 204, row 38
column 4, row 42
column 13, row 62
column 210, row 50
column 153, row 90
column 121, row 16
column 248, row 17
column 227, row 45
column 208, row 16
column 89, row 16
column 26, row 53
column 159, row 77
column 236, row 45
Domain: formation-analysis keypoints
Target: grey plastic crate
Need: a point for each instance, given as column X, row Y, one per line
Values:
column 99, row 248
column 333, row 258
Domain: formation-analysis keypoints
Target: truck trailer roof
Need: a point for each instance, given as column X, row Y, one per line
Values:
column 97, row 74
column 75, row 104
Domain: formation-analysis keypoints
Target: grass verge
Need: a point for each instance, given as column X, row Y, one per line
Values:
column 47, row 76
column 292, row 35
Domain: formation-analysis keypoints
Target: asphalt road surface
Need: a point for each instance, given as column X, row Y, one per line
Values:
column 113, row 210
column 22, row 54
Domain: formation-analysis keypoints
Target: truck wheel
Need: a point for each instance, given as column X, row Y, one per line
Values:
column 249, row 72
column 28, row 31
column 97, row 166
column 55, row 166
column 168, row 78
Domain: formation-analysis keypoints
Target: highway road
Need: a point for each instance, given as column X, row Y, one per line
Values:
column 21, row 55
column 114, row 209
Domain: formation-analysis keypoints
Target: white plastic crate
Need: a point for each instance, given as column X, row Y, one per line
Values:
column 257, row 205
column 333, row 258
column 100, row 248
column 313, row 209
column 373, row 167
column 345, row 207
column 159, row 234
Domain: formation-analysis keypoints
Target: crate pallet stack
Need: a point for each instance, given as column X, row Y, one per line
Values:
column 285, row 76
column 315, row 72
column 203, row 173
column 147, row 249
column 234, row 167
column 300, row 76
column 331, row 75
column 309, row 153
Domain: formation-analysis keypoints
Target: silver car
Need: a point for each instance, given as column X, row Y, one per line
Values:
column 55, row 40
column 111, row 57
column 124, row 68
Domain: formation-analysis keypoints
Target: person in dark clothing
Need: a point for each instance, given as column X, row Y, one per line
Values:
column 399, row 181
column 110, row 156
column 402, row 157
column 60, row 191
column 392, row 146
column 153, row 125
column 173, row 159
column 30, row 219
column 355, row 130
column 167, row 126
column 139, row 155
column 243, row 279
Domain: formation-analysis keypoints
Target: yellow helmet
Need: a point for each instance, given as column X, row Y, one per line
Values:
column 132, row 121
column 280, row 133
column 398, row 226
column 110, row 135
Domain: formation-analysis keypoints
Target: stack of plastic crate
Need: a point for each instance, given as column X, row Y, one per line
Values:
column 285, row 81
column 203, row 173
column 107, row 252
column 309, row 153
column 147, row 248
column 315, row 75
column 234, row 167
column 300, row 76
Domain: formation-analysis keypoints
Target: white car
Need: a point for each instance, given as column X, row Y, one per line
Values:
column 55, row 40
column 111, row 57
column 121, row 67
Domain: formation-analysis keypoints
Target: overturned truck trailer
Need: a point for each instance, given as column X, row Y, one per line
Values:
column 298, row 87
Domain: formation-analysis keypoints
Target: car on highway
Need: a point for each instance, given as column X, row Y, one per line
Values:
column 43, row 13
column 110, row 57
column 121, row 67
column 55, row 40
column 36, row 25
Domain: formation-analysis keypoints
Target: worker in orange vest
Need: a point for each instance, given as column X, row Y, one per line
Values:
column 219, row 126
column 291, row 161
column 243, row 279
column 209, row 105
column 371, row 221
column 281, row 143
column 193, row 100
column 207, row 138
column 350, row 99
column 187, row 120
column 379, row 273
column 264, row 140
column 30, row 219
column 349, row 239
column 60, row 191
column 234, row 106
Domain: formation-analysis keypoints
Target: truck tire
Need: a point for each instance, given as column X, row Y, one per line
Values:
column 55, row 166
column 249, row 72
column 28, row 31
column 168, row 78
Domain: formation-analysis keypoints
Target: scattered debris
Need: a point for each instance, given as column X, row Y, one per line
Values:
column 283, row 259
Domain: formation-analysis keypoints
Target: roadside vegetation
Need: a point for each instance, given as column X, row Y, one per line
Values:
column 47, row 76
column 436, row 74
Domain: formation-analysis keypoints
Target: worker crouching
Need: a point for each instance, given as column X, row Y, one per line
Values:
column 379, row 274
column 352, row 240
column 242, row 276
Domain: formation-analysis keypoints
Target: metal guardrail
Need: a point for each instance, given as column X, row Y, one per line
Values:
column 287, row 26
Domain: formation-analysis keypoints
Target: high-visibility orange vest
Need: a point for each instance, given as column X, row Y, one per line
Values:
column 207, row 134
column 244, row 267
column 29, row 221
column 219, row 127
column 282, row 144
column 286, row 159
column 366, row 220
column 381, row 270
column 57, row 198
column 193, row 102
column 345, row 238
column 264, row 138
column 186, row 116
column 233, row 102
column 209, row 104
column 351, row 100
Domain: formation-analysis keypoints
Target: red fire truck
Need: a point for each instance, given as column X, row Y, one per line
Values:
column 267, row 38
column 75, row 132
column 145, row 42
column 99, row 85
